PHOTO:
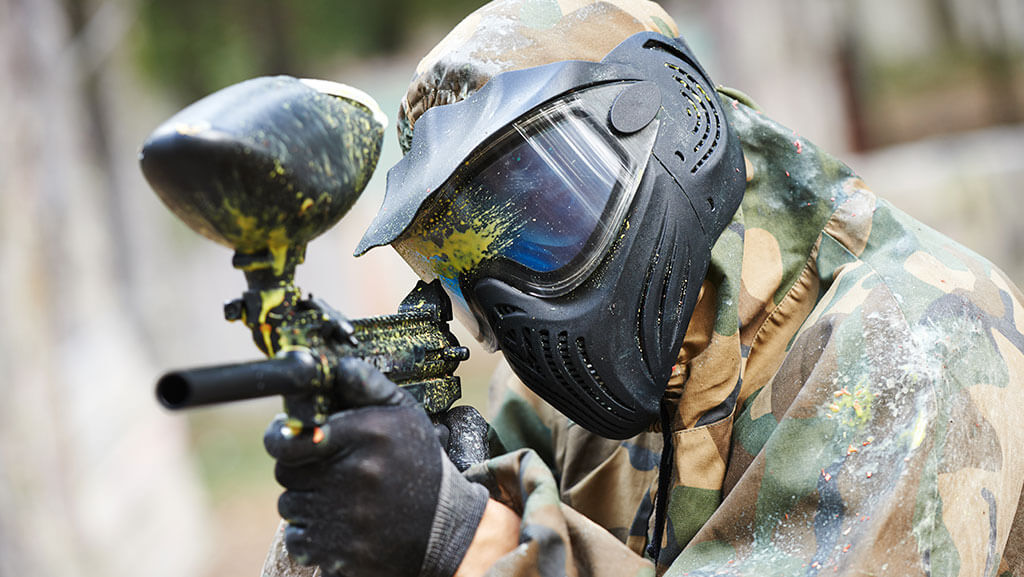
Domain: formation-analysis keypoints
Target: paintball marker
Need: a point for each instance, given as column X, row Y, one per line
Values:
column 263, row 167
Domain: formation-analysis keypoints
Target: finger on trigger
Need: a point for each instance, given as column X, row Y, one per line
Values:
column 361, row 385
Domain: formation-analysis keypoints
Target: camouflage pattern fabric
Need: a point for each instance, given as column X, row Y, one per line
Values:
column 876, row 369
column 512, row 34
column 846, row 395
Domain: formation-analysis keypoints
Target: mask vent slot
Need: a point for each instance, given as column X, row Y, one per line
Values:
column 565, row 393
column 504, row 310
column 620, row 407
column 701, row 107
column 569, row 366
column 523, row 346
column 529, row 355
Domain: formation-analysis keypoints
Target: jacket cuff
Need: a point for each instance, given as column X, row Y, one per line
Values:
column 460, row 506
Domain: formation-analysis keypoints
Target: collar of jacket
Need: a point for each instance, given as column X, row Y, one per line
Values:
column 763, row 279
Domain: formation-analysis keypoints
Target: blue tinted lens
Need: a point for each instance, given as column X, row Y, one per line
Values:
column 562, row 182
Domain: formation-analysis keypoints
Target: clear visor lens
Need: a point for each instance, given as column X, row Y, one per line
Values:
column 541, row 204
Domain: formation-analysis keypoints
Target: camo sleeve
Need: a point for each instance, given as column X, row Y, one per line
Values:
column 888, row 441
column 555, row 540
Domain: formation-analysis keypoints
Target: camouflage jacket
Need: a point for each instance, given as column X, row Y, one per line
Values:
column 871, row 370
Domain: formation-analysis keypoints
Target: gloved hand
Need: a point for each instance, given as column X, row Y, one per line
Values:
column 373, row 494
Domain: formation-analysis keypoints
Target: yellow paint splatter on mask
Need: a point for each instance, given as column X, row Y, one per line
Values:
column 462, row 249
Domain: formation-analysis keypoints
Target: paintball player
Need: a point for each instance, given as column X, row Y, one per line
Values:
column 725, row 355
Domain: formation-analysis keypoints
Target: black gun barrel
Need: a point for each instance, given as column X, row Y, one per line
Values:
column 290, row 373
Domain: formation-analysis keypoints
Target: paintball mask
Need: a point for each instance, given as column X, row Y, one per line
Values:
column 569, row 211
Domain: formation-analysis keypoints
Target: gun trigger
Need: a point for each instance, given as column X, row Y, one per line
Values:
column 339, row 324
column 349, row 332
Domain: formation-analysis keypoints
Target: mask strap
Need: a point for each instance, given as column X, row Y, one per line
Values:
column 664, row 482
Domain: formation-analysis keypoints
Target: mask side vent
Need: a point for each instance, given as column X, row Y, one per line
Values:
column 506, row 309
column 620, row 407
column 707, row 125
column 523, row 344
column 560, row 370
column 565, row 394
column 567, row 373
column 653, row 295
column 594, row 390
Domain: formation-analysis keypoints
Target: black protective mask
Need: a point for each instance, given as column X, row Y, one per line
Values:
column 570, row 210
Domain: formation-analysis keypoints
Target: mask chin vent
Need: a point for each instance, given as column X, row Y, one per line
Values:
column 564, row 375
column 521, row 344
column 620, row 406
column 707, row 125
column 575, row 373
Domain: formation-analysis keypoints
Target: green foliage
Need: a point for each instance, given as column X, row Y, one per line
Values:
column 229, row 447
column 903, row 77
column 193, row 47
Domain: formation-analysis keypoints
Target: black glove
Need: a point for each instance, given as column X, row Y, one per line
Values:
column 372, row 494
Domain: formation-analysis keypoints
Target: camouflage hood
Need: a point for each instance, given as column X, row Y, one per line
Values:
column 512, row 34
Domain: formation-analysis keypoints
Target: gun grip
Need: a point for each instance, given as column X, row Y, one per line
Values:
column 467, row 438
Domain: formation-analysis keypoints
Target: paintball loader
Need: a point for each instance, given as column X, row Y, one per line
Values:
column 264, row 167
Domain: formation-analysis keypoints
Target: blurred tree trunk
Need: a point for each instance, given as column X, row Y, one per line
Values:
column 995, row 46
column 851, row 76
column 998, row 64
column 93, row 479
column 786, row 63
column 270, row 24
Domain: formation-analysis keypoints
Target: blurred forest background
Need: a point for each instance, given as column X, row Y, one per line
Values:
column 101, row 288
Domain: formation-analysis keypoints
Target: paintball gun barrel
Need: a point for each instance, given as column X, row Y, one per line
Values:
column 264, row 167
column 414, row 348
column 289, row 374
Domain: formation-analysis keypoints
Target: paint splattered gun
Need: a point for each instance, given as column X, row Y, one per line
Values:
column 264, row 167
